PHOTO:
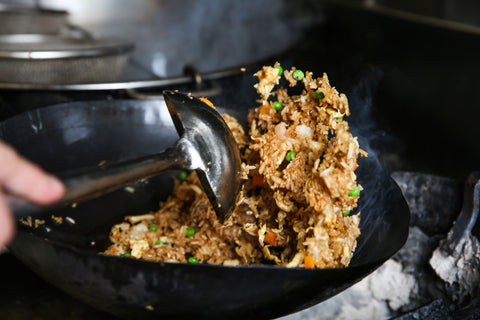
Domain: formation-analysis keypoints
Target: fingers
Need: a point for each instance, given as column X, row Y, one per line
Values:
column 7, row 225
column 20, row 177
column 25, row 179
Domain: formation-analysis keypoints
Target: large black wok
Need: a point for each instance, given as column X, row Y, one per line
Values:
column 80, row 134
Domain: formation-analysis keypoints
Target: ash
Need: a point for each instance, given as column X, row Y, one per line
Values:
column 460, row 272
column 406, row 287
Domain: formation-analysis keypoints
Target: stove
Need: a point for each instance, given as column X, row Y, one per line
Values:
column 412, row 91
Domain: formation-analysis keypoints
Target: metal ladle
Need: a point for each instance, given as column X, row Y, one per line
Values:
column 206, row 145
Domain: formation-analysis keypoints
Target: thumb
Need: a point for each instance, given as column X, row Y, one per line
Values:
column 25, row 179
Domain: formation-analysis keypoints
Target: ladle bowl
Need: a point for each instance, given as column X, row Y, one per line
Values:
column 68, row 255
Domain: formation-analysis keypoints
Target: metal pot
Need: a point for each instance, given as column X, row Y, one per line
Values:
column 49, row 59
column 15, row 19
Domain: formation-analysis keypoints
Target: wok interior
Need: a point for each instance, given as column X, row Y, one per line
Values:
column 81, row 134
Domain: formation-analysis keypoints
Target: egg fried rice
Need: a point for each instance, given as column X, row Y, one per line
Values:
column 299, row 193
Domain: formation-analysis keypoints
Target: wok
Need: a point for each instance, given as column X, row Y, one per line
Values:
column 79, row 134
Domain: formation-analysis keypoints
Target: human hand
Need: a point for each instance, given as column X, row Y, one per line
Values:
column 20, row 177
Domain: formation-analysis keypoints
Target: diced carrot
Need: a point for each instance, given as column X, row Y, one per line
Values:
column 257, row 180
column 309, row 262
column 265, row 109
column 206, row 101
column 356, row 166
column 271, row 238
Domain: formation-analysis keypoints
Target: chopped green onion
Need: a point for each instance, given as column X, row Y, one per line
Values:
column 182, row 175
column 202, row 188
column 277, row 105
column 192, row 260
column 190, row 232
column 298, row 75
column 354, row 192
column 346, row 213
column 280, row 70
column 153, row 228
column 126, row 255
column 339, row 118
column 290, row 155
column 319, row 94
column 159, row 242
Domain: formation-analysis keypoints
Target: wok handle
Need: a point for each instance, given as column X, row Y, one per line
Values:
column 87, row 184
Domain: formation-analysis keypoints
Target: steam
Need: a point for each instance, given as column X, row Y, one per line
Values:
column 372, row 133
column 210, row 34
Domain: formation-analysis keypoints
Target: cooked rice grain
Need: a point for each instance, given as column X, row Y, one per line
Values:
column 291, row 212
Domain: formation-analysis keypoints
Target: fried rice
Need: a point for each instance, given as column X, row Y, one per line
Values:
column 299, row 192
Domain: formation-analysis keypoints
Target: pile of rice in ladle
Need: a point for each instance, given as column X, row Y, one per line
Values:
column 298, row 198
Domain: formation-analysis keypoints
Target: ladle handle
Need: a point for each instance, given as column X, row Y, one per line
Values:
column 91, row 183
